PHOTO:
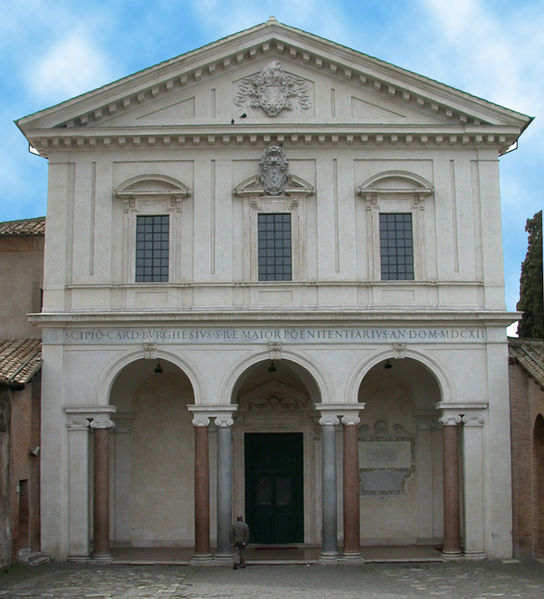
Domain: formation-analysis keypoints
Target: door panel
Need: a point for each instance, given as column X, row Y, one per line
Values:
column 274, row 501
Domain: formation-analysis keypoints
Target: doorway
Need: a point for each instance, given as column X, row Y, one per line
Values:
column 274, row 487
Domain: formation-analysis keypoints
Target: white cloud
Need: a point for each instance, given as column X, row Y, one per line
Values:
column 73, row 65
column 492, row 51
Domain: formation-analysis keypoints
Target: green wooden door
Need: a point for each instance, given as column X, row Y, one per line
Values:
column 274, row 497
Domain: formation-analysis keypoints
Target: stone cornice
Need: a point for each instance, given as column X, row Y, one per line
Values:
column 344, row 317
column 48, row 141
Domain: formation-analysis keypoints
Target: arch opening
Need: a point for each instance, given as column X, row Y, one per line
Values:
column 400, row 455
column 152, row 456
column 276, row 452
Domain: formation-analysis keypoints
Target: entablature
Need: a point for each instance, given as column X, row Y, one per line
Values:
column 48, row 141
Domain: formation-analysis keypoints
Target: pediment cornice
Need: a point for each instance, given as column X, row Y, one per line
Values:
column 273, row 39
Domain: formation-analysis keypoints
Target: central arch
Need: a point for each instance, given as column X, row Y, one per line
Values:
column 276, row 451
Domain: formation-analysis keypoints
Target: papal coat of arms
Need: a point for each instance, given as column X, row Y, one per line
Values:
column 271, row 90
column 273, row 171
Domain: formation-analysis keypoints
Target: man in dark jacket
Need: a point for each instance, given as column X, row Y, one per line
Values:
column 239, row 536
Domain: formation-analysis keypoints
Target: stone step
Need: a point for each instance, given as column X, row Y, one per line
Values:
column 33, row 558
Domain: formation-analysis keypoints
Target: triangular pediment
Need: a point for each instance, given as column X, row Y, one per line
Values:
column 271, row 74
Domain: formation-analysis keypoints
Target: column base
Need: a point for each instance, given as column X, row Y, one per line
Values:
column 105, row 558
column 202, row 559
column 223, row 556
column 475, row 555
column 352, row 558
column 452, row 555
column 78, row 558
column 329, row 558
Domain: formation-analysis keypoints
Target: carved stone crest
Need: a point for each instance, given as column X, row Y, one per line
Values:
column 273, row 171
column 271, row 89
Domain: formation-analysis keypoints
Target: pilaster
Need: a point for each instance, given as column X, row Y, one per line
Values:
column 473, row 423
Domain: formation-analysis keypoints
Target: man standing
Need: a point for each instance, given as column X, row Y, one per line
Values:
column 239, row 536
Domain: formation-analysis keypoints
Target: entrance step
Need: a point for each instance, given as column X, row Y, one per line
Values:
column 32, row 558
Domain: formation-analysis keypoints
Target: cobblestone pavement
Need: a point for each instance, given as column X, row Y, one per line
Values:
column 368, row 581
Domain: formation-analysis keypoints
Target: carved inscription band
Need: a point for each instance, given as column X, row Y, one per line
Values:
column 237, row 335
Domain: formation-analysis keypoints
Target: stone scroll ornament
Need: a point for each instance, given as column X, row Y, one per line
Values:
column 271, row 90
column 273, row 171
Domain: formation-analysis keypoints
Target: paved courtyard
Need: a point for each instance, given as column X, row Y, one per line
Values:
column 369, row 581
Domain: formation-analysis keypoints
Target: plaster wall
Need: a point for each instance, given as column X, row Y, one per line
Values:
column 160, row 446
column 339, row 248
column 21, row 271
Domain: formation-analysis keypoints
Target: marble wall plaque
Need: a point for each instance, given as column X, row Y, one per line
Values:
column 385, row 454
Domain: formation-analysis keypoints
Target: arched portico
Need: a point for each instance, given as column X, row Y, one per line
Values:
column 401, row 454
column 276, row 451
column 139, row 441
column 152, row 455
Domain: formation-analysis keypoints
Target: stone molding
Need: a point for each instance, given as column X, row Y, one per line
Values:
column 350, row 419
column 470, row 413
column 331, row 414
column 101, row 423
column 81, row 418
column 450, row 420
column 200, row 420
column 329, row 420
column 223, row 421
column 47, row 142
column 474, row 419
column 202, row 415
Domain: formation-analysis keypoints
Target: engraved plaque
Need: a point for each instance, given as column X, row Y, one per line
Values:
column 385, row 454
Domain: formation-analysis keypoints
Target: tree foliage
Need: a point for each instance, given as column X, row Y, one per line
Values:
column 531, row 301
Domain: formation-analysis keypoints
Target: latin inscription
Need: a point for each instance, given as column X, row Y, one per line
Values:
column 234, row 335
column 385, row 454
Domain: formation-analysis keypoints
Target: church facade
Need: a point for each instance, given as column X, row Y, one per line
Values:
column 273, row 286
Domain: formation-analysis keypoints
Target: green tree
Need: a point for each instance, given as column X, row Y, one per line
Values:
column 531, row 293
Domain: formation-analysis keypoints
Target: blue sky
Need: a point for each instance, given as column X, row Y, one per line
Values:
column 51, row 51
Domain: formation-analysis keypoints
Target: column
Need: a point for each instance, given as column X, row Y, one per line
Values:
column 474, row 491
column 202, row 489
column 452, row 543
column 352, row 544
column 78, row 487
column 224, row 485
column 101, row 495
column 329, row 549
column 121, row 480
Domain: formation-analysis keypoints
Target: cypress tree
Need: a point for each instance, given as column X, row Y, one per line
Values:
column 531, row 301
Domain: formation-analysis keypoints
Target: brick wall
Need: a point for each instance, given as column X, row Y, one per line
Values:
column 526, row 403
column 5, row 537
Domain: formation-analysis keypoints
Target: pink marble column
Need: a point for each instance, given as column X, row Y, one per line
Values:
column 452, row 541
column 352, row 544
column 202, row 489
column 101, row 496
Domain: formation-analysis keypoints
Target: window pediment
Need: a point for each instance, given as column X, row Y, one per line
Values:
column 393, row 183
column 152, row 186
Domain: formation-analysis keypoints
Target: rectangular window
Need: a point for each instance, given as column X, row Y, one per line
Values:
column 396, row 247
column 152, row 249
column 274, row 233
